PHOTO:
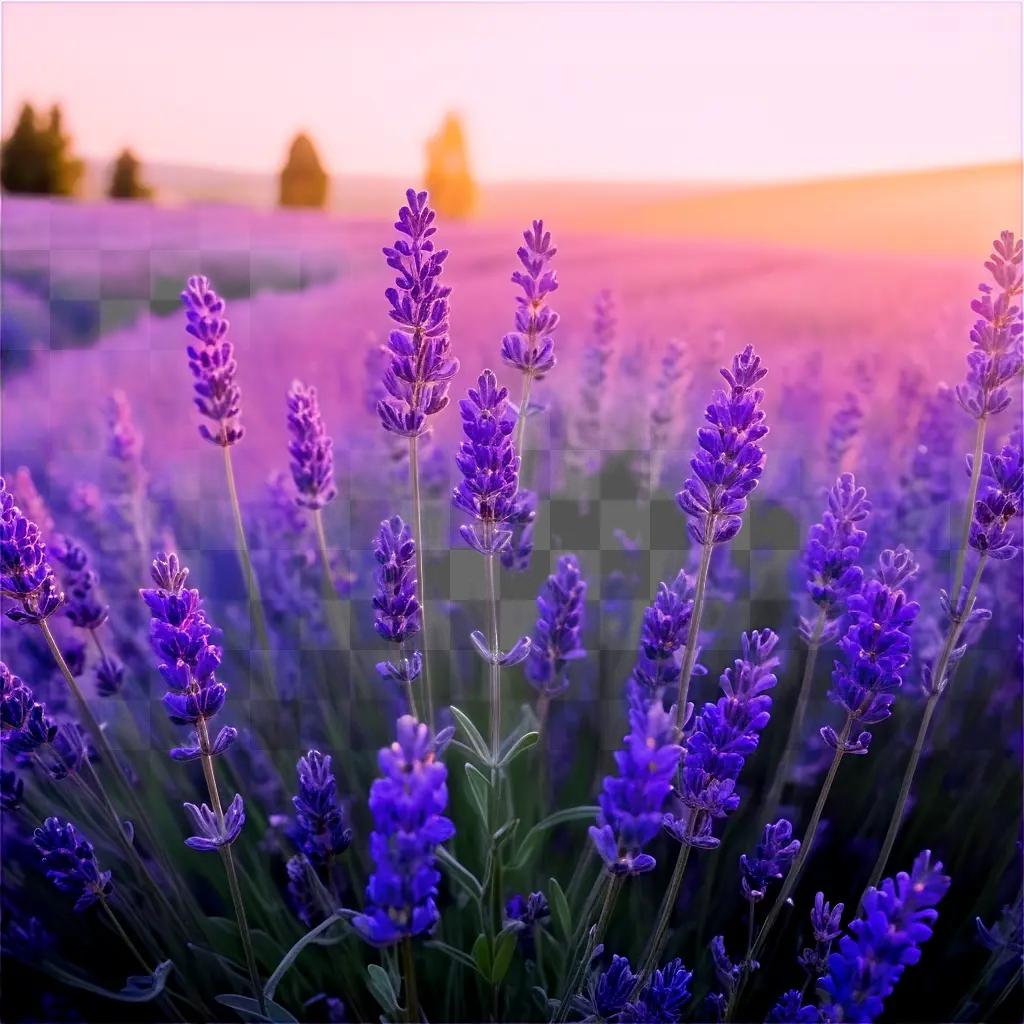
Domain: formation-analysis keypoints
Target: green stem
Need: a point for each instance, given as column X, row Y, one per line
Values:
column 417, row 513
column 692, row 637
column 972, row 494
column 251, row 585
column 796, row 724
column 520, row 440
column 668, row 902
column 412, row 1004
column 229, row 865
column 494, row 669
column 112, row 917
column 956, row 626
column 330, row 591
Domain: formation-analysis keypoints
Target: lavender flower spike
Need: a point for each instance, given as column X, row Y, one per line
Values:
column 729, row 460
column 774, row 854
column 489, row 466
column 212, row 362
column 311, row 449
column 556, row 637
column 322, row 831
column 26, row 576
column 215, row 830
column 82, row 604
column 1000, row 501
column 530, row 347
column 70, row 863
column 421, row 367
column 407, row 802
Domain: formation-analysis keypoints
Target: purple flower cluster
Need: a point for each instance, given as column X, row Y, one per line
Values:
column 996, row 336
column 660, row 1001
column 874, row 651
column 407, row 801
column 212, row 362
column 25, row 725
column 556, row 637
column 729, row 460
column 826, row 927
column 664, row 632
column 310, row 448
column 516, row 554
column 834, row 545
column 843, row 429
column 81, row 585
column 26, row 577
column 1000, row 501
column 421, row 366
column 395, row 602
column 69, row 861
column 182, row 639
column 723, row 736
column 489, row 465
column 771, row 860
column 791, row 1009
column 895, row 921
column 215, row 830
column 530, row 347
column 523, row 914
column 322, row 833
column 631, row 801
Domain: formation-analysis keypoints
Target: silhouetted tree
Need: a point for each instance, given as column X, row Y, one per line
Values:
column 303, row 178
column 37, row 158
column 448, row 177
column 125, row 178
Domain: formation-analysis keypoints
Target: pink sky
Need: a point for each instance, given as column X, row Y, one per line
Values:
column 587, row 91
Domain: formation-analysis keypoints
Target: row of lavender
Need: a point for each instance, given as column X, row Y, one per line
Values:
column 676, row 778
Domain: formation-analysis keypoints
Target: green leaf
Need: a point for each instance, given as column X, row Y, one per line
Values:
column 479, row 787
column 534, row 836
column 138, row 988
column 521, row 745
column 289, row 958
column 505, row 946
column 455, row 954
column 481, row 954
column 249, row 1010
column 460, row 874
column 505, row 833
column 380, row 988
column 560, row 907
column 472, row 734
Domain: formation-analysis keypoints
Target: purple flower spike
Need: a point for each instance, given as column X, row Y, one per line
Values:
column 729, row 460
column 826, row 919
column 421, row 367
column 408, row 803
column 996, row 357
column 489, row 465
column 26, row 576
column 791, row 1009
column 69, row 861
column 774, row 854
column 1000, row 501
column 213, row 834
column 396, row 606
column 24, row 724
column 81, row 599
column 212, row 362
column 895, row 921
column 723, row 736
column 530, row 347
column 556, row 638
column 322, row 832
column 632, row 800
column 311, row 449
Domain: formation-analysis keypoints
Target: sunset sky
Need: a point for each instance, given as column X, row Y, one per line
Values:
column 726, row 91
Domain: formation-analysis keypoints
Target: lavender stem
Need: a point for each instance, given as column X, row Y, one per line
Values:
column 417, row 512
column 330, row 592
column 657, row 941
column 693, row 636
column 972, row 494
column 412, row 1006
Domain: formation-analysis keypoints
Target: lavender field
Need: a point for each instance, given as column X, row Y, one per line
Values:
column 623, row 628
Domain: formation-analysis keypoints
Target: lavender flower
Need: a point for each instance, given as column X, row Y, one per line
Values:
column 669, row 386
column 310, row 448
column 81, row 598
column 729, row 460
column 421, row 368
column 530, row 347
column 894, row 922
column 489, row 465
column 771, row 860
column 407, row 803
column 791, row 1009
column 609, row 993
column 664, row 632
column 826, row 927
column 843, row 429
column 556, row 637
column 70, row 863
column 12, row 790
column 109, row 676
column 322, row 833
column 516, row 554
column 124, row 442
column 26, row 577
column 594, row 371
column 215, row 830
column 833, row 548
column 723, row 736
column 396, row 607
column 1000, row 501
column 874, row 652
column 631, row 802
column 212, row 362
column 524, row 914
column 996, row 336
column 24, row 724
column 182, row 639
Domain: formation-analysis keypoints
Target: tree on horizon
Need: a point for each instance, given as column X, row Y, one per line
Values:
column 37, row 159
column 304, row 181
column 126, row 180
column 448, row 176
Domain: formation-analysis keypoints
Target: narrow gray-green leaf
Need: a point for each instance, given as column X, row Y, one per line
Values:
column 455, row 954
column 380, row 988
column 479, row 787
column 532, row 838
column 139, row 988
column 249, row 1009
column 460, row 874
column 472, row 733
column 289, row 958
column 560, row 907
column 505, row 946
column 521, row 745
column 481, row 954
